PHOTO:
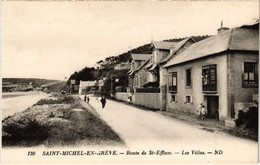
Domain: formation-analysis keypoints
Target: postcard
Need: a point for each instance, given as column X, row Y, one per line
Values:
column 130, row 82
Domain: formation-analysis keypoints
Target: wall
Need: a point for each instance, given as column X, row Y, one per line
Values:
column 196, row 89
column 163, row 76
column 149, row 100
column 161, row 54
column 122, row 96
column 130, row 81
column 242, row 94
column 143, row 76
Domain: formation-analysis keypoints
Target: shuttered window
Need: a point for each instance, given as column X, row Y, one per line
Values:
column 172, row 82
column 209, row 78
column 250, row 75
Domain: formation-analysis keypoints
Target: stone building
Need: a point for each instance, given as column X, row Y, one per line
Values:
column 218, row 71
column 137, row 60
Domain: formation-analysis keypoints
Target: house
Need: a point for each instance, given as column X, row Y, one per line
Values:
column 218, row 71
column 137, row 60
column 84, row 86
column 175, row 50
column 160, row 49
column 149, row 71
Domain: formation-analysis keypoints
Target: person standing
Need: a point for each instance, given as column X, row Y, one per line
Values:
column 87, row 99
column 202, row 111
column 103, row 101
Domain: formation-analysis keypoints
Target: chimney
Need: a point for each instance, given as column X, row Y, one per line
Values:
column 171, row 50
column 221, row 29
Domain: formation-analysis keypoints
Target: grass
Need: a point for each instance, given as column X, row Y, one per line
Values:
column 59, row 100
column 57, row 122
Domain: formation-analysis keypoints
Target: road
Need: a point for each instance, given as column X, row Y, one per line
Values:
column 17, row 102
column 141, row 129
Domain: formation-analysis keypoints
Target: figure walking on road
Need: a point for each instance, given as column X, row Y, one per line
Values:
column 85, row 98
column 103, row 101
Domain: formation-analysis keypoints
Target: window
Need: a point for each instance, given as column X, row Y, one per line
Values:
column 209, row 78
column 172, row 82
column 136, row 81
column 188, row 99
column 188, row 77
column 250, row 76
column 174, row 98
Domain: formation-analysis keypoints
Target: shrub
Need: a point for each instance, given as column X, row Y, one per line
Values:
column 249, row 119
column 62, row 100
column 152, row 85
column 120, row 89
column 148, row 90
column 24, row 132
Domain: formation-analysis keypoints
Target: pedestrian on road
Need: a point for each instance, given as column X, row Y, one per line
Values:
column 103, row 101
column 85, row 98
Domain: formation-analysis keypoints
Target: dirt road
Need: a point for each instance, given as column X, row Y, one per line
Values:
column 141, row 129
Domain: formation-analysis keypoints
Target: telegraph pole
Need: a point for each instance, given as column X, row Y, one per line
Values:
column 111, row 84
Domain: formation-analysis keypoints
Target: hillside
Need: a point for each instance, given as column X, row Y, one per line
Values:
column 58, row 86
column 109, row 62
column 35, row 81
column 106, row 67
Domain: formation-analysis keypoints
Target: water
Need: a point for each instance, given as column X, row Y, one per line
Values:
column 17, row 102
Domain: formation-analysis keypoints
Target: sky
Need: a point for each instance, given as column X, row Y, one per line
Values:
column 52, row 40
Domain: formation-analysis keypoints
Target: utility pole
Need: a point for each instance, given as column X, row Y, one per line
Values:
column 111, row 84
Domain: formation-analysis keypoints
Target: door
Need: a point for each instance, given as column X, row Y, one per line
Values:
column 212, row 106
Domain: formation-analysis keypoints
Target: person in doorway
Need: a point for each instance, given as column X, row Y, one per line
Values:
column 103, row 101
column 202, row 111
column 217, row 115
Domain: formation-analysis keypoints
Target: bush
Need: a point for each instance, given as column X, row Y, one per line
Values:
column 151, row 85
column 62, row 100
column 248, row 119
column 24, row 132
column 148, row 90
column 120, row 89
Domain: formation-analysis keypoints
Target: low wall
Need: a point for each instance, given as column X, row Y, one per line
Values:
column 122, row 96
column 149, row 100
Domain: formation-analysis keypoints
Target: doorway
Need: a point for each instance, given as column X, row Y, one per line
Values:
column 213, row 107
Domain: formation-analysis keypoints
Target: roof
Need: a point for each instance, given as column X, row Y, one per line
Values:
column 149, row 66
column 232, row 39
column 140, row 57
column 153, row 67
column 163, row 44
column 131, row 73
column 176, row 47
column 140, row 67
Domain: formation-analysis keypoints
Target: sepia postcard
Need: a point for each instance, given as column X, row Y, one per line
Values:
column 130, row 82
